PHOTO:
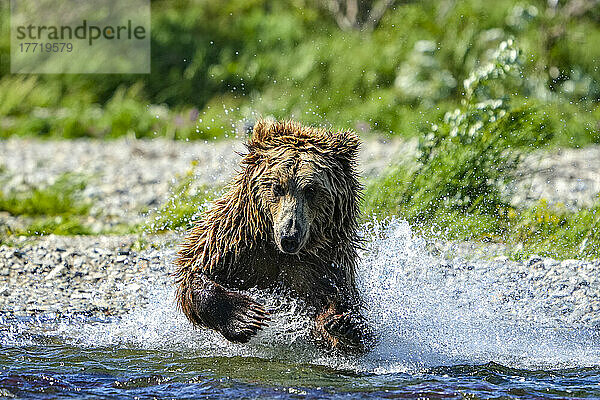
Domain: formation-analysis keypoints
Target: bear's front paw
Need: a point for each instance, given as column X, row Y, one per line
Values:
column 245, row 318
column 347, row 328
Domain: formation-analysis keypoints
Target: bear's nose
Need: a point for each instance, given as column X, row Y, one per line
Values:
column 290, row 243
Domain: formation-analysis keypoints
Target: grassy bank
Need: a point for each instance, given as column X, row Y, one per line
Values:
column 58, row 208
column 542, row 229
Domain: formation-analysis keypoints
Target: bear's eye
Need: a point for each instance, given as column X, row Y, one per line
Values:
column 310, row 192
column 278, row 190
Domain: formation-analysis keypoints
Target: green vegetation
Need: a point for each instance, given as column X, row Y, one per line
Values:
column 216, row 63
column 552, row 231
column 54, row 209
column 185, row 204
column 56, row 199
column 464, row 158
column 478, row 84
column 555, row 232
column 59, row 225
column 454, row 184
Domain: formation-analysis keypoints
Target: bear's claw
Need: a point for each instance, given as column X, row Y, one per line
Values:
column 346, row 328
column 247, row 319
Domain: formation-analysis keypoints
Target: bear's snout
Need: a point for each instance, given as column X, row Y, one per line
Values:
column 290, row 243
column 290, row 228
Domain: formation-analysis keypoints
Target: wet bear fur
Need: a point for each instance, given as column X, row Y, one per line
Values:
column 288, row 222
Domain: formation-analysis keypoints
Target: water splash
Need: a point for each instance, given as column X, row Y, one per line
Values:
column 429, row 312
column 159, row 325
column 426, row 311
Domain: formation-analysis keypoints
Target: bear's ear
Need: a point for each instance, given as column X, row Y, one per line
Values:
column 345, row 145
column 261, row 131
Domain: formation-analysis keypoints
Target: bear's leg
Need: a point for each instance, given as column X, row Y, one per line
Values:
column 345, row 330
column 236, row 316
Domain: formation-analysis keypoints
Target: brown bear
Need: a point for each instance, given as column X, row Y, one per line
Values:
column 288, row 222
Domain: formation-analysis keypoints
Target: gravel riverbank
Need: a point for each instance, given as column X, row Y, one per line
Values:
column 106, row 276
column 110, row 275
column 127, row 177
column 93, row 275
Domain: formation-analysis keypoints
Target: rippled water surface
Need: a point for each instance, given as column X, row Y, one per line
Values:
column 441, row 334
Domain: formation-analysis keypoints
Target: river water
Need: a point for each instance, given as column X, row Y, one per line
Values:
column 440, row 335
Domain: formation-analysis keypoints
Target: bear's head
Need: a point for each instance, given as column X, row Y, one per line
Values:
column 304, row 181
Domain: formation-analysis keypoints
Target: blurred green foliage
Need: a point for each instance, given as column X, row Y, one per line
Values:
column 215, row 63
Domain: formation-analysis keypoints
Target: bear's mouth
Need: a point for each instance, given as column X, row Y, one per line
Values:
column 289, row 248
column 290, row 244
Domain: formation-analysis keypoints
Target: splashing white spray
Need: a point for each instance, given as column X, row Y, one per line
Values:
column 425, row 311
column 429, row 312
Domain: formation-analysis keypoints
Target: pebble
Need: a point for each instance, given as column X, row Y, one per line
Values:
column 56, row 272
column 103, row 280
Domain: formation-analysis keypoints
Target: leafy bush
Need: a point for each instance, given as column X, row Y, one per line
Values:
column 453, row 186
column 463, row 160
